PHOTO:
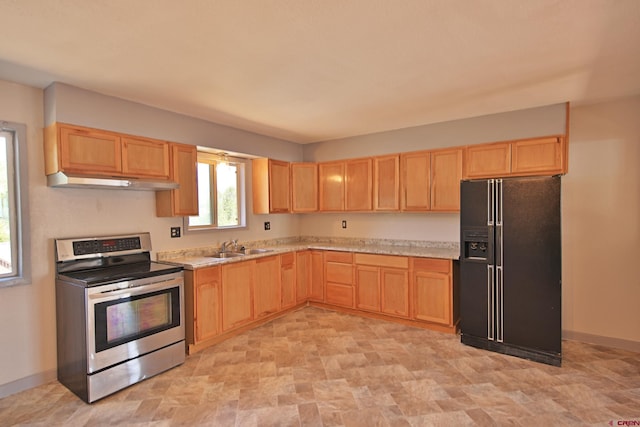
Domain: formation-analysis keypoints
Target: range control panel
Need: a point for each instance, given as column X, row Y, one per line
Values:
column 85, row 247
column 95, row 247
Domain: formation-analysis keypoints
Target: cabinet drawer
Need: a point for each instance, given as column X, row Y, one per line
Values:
column 339, row 273
column 207, row 274
column 432, row 264
column 382, row 260
column 287, row 259
column 339, row 294
column 346, row 257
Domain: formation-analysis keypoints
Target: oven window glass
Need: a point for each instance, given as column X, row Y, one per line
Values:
column 127, row 319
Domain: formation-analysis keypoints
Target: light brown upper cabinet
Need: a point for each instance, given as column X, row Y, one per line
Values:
column 358, row 185
column 270, row 186
column 538, row 156
column 304, row 187
column 331, row 186
column 416, row 181
column 182, row 201
column 386, row 183
column 87, row 151
column 446, row 173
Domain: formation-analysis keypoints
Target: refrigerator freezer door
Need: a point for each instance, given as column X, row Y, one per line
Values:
column 531, row 267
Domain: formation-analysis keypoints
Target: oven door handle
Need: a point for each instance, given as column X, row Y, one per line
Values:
column 95, row 295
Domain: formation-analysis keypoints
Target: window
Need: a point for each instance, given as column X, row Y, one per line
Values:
column 14, row 206
column 220, row 193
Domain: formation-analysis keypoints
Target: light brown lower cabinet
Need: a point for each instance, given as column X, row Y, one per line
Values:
column 339, row 280
column 287, row 280
column 237, row 290
column 303, row 276
column 432, row 290
column 382, row 284
column 266, row 286
column 202, row 304
column 316, row 292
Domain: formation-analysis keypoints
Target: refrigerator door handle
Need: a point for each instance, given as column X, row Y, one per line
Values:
column 490, row 303
column 500, row 306
column 498, row 202
column 490, row 201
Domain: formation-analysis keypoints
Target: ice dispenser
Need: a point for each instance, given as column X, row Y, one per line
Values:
column 476, row 245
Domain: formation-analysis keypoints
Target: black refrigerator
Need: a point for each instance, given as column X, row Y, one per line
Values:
column 510, row 267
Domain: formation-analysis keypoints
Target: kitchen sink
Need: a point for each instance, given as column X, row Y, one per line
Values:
column 224, row 255
column 256, row 251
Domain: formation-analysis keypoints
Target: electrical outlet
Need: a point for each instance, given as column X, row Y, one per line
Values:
column 267, row 225
column 344, row 224
column 175, row 232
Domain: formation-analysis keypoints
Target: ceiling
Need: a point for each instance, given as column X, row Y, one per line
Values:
column 314, row 70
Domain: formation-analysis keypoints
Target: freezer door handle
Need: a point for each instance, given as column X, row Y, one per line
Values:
column 491, row 314
column 490, row 201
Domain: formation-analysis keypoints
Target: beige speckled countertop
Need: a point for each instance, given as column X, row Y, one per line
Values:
column 192, row 259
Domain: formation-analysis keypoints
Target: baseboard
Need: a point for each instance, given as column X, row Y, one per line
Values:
column 27, row 383
column 602, row 340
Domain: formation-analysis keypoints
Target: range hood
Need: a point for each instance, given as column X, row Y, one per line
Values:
column 61, row 180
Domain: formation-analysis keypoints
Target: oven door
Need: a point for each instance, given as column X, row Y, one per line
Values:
column 132, row 318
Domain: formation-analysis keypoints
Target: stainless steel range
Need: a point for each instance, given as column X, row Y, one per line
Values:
column 120, row 316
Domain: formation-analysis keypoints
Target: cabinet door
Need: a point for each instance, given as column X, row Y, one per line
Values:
column 182, row 201
column 266, row 294
column 339, row 294
column 89, row 151
column 331, row 186
column 446, row 173
column 432, row 297
column 317, row 277
column 543, row 156
column 288, row 280
column 394, row 287
column 358, row 185
column 416, row 181
column 145, row 157
column 386, row 183
column 303, row 275
column 279, row 186
column 207, row 303
column 487, row 160
column 368, row 288
column 237, row 285
column 304, row 187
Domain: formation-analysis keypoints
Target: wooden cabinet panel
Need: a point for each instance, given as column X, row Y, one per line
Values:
column 386, row 183
column 487, row 160
column 270, row 189
column 88, row 151
column 266, row 291
column 381, row 260
column 317, row 290
column 339, row 294
column 339, row 272
column 358, row 185
column 432, row 265
column 287, row 280
column 303, row 275
column 331, row 186
column 446, row 173
column 394, row 288
column 237, row 287
column 207, row 303
column 182, row 201
column 304, row 187
column 432, row 293
column 537, row 156
column 145, row 157
column 416, row 181
column 368, row 288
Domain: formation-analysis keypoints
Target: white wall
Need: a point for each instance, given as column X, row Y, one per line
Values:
column 601, row 222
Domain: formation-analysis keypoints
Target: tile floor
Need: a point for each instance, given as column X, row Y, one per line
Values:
column 320, row 368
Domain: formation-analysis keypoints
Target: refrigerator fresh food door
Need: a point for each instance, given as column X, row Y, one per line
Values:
column 528, row 241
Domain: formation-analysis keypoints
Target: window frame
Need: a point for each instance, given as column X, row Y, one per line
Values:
column 19, row 205
column 213, row 160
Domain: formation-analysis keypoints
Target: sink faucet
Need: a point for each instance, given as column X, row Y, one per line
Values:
column 224, row 246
